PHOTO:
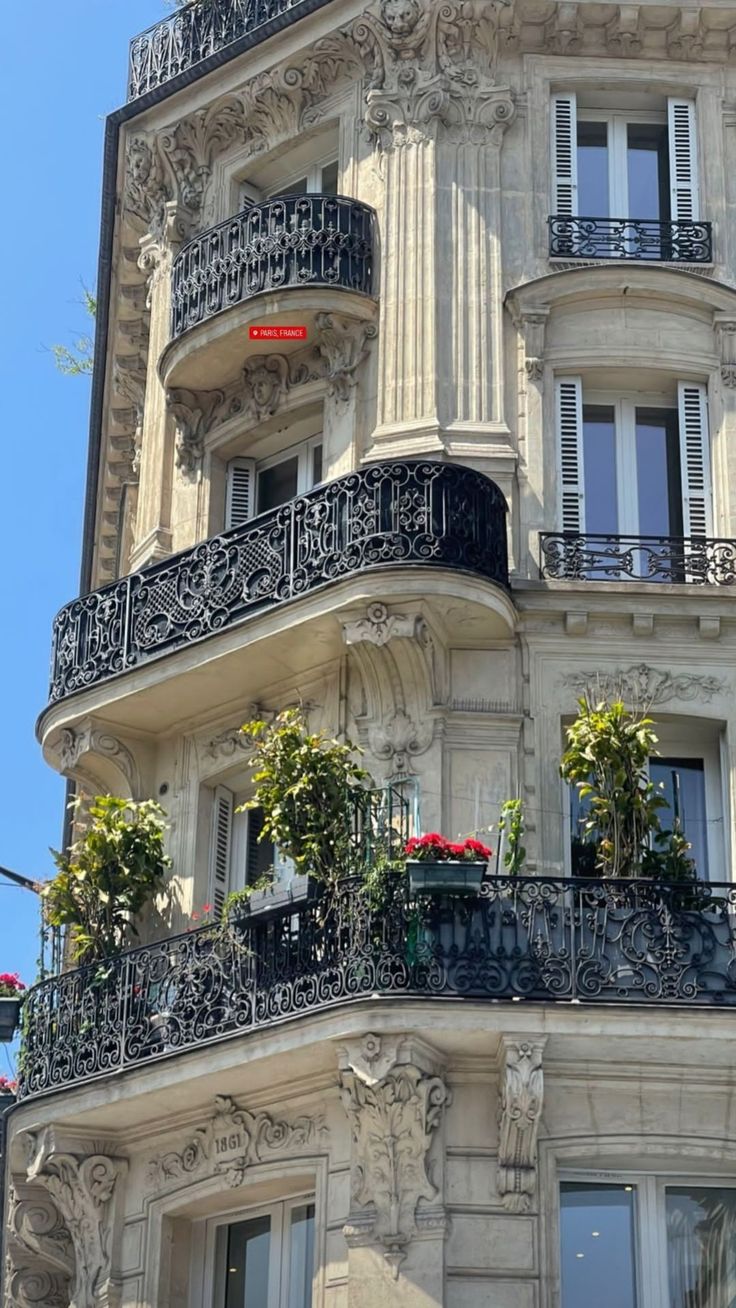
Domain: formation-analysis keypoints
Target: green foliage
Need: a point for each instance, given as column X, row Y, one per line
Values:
column 77, row 360
column 607, row 760
column 512, row 825
column 240, row 898
column 311, row 791
column 111, row 872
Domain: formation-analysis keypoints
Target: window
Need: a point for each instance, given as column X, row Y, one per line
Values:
column 263, row 1258
column 628, row 468
column 256, row 487
column 637, row 164
column 688, row 775
column 647, row 1242
column 238, row 856
column 319, row 178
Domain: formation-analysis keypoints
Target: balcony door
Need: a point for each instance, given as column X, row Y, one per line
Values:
column 629, row 469
column 626, row 177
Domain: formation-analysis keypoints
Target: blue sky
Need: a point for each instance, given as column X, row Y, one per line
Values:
column 63, row 72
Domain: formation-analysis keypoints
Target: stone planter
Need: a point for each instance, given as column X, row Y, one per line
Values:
column 300, row 890
column 448, row 878
column 9, row 1014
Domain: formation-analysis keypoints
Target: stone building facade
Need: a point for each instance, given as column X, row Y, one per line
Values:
column 495, row 466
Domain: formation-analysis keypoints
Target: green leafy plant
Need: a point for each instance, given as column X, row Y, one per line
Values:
column 607, row 760
column 77, row 360
column 511, row 826
column 312, row 792
column 238, row 899
column 109, row 875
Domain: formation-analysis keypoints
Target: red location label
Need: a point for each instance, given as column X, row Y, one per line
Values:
column 277, row 333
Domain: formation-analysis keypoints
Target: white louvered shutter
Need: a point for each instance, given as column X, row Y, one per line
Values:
column 694, row 459
column 241, row 492
column 564, row 154
column 220, row 848
column 684, row 198
column 569, row 402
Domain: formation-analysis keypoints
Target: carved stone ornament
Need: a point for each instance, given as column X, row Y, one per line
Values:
column 624, row 35
column 399, row 739
column 379, row 626
column 394, row 1105
column 343, row 345
column 83, row 1189
column 192, row 412
column 231, row 1142
column 519, row 1113
column 726, row 338
column 79, row 746
column 641, row 685
column 34, row 1287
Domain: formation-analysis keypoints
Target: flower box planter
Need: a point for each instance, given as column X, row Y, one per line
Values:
column 461, row 877
column 284, row 895
column 9, row 1015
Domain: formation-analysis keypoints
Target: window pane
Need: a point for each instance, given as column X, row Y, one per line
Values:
column 298, row 187
column 316, row 465
column 243, row 1251
column 659, row 486
column 701, row 1247
column 683, row 786
column 598, row 1250
column 647, row 166
column 329, row 179
column 278, row 484
column 301, row 1256
column 599, row 468
column 593, row 170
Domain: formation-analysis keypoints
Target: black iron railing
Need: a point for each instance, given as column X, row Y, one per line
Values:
column 301, row 240
column 385, row 515
column 201, row 30
column 700, row 560
column 629, row 238
column 535, row 939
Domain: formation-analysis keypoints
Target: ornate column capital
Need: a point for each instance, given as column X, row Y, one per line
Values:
column 519, row 1112
column 394, row 1098
column 84, row 1188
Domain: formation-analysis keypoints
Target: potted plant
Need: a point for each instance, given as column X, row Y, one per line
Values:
column 109, row 875
column 311, row 792
column 11, row 991
column 8, row 1092
column 436, row 866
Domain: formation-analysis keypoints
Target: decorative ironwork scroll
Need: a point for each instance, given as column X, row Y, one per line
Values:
column 701, row 560
column 301, row 240
column 199, row 31
column 629, row 238
column 388, row 514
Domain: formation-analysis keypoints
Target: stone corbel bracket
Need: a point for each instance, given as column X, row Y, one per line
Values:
column 521, row 1094
column 86, row 1189
column 401, row 666
column 531, row 323
column 343, row 345
column 725, row 329
column 395, row 1098
column 99, row 760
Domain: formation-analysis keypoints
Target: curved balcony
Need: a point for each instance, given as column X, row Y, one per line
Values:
column 398, row 515
column 533, row 939
column 192, row 38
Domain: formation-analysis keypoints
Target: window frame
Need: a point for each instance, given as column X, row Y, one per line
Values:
column 618, row 121
column 203, row 1268
column 304, row 452
column 704, row 740
column 627, row 480
column 250, row 194
column 650, row 1230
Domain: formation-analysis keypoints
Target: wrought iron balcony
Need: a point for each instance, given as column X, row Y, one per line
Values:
column 301, row 240
column 398, row 514
column 591, row 941
column 699, row 560
column 629, row 238
column 201, row 31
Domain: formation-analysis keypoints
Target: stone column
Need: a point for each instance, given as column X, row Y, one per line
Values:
column 394, row 1095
